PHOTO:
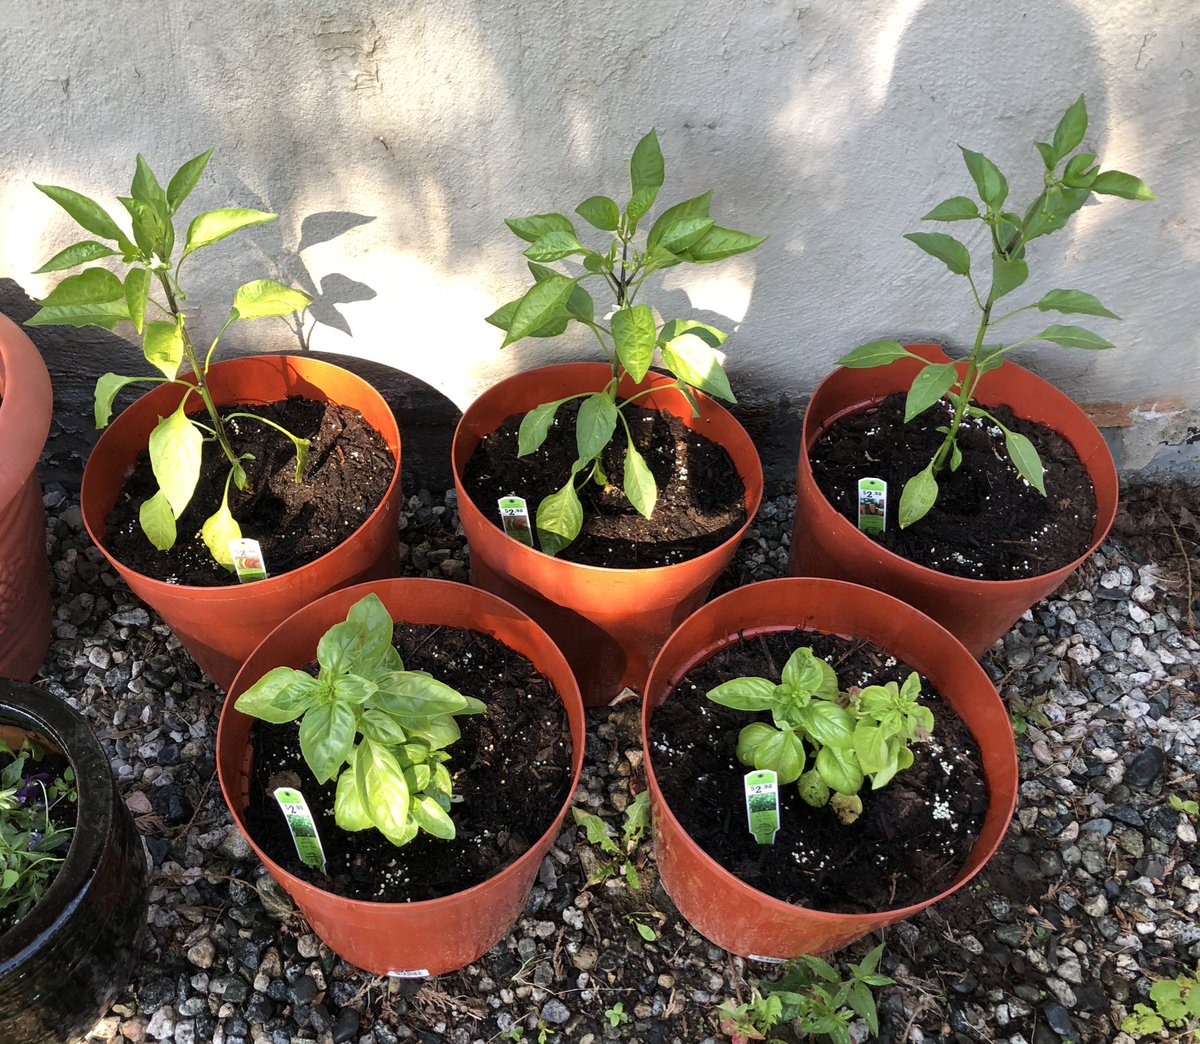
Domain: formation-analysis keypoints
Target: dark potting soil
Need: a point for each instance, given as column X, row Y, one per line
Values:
column 913, row 836
column 701, row 498
column 348, row 472
column 512, row 769
column 988, row 522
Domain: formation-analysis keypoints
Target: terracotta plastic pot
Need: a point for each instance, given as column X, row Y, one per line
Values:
column 65, row 962
column 608, row 622
column 26, row 402
column 433, row 936
column 721, row 907
column 220, row 626
column 979, row 612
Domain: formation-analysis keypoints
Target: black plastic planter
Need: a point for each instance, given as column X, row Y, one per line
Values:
column 69, row 957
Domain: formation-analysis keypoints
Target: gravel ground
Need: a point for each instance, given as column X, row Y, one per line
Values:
column 1092, row 897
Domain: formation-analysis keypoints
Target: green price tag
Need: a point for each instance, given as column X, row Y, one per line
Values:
column 872, row 505
column 762, row 805
column 302, row 826
column 514, row 517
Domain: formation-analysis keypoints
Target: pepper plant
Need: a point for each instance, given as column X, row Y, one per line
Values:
column 151, row 298
column 852, row 735
column 628, row 335
column 381, row 731
column 1069, row 179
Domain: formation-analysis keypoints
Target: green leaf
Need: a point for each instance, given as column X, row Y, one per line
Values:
column 88, row 213
column 151, row 231
column 412, row 694
column 840, row 769
column 690, row 359
column 945, row 248
column 89, row 287
column 1046, row 151
column 1052, row 209
column 145, row 186
column 432, row 818
column 176, row 445
column 218, row 529
column 993, row 188
column 929, row 385
column 1081, row 171
column 105, row 314
column 783, row 753
column 107, row 388
column 542, row 303
column 1070, row 130
column 874, row 353
column 559, row 518
column 990, row 358
column 955, row 457
column 918, row 496
column 872, row 748
column 696, row 207
column 751, row 738
column 719, row 243
column 162, row 345
column 281, row 695
column 813, row 790
column 137, row 285
column 595, row 425
column 639, row 484
column 579, row 304
column 683, row 233
column 535, row 226
column 1073, row 302
column 382, row 789
column 956, row 208
column 807, row 673
column 184, row 180
column 381, row 727
column 634, row 335
column 710, row 335
column 1007, row 275
column 598, row 832
column 1026, row 459
column 827, row 723
column 646, row 165
column 263, row 298
column 1072, row 337
column 745, row 694
column 214, row 225
column 535, row 425
column 158, row 521
column 645, row 931
column 554, row 246
column 76, row 254
column 1118, row 183
column 348, row 810
column 600, row 212
column 326, row 739
column 375, row 627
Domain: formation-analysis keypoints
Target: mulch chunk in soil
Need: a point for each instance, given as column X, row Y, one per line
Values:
column 913, row 836
column 349, row 470
column 701, row 498
column 988, row 522
column 511, row 768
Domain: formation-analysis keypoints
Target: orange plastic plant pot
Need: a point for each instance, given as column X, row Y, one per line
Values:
column 220, row 626
column 979, row 612
column 719, row 905
column 608, row 622
column 433, row 936
column 26, row 403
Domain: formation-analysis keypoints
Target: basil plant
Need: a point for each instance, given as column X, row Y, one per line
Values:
column 850, row 736
column 381, row 731
column 151, row 298
column 628, row 335
column 1069, row 178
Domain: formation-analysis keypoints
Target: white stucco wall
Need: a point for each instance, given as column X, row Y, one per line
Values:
column 830, row 125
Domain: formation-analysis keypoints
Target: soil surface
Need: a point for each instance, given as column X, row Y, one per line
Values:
column 511, row 768
column 348, row 472
column 701, row 498
column 988, row 522
column 913, row 835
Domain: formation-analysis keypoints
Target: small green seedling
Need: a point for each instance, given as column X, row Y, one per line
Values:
column 97, row 297
column 628, row 336
column 853, row 735
column 1008, row 234
column 1184, row 805
column 599, row 833
column 381, row 731
column 616, row 1015
column 751, row 1020
column 1174, row 1003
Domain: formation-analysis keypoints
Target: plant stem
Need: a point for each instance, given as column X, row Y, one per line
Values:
column 966, row 388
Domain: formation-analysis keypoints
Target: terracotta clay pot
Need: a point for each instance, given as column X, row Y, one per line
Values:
column 978, row 612
column 608, row 622
column 433, row 936
column 66, row 960
column 219, row 626
column 720, row 906
column 26, row 402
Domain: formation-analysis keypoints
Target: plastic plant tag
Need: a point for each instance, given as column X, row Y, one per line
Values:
column 872, row 505
column 762, row 805
column 304, row 829
column 415, row 973
column 247, row 560
column 514, row 516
